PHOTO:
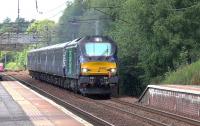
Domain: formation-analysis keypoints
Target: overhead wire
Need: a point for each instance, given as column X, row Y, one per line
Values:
column 55, row 8
column 56, row 14
column 120, row 19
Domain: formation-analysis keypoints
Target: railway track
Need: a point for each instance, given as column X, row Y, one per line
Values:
column 146, row 119
column 155, row 122
column 87, row 116
column 159, row 112
column 83, row 114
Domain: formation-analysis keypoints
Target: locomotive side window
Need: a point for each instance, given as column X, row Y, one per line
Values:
column 98, row 49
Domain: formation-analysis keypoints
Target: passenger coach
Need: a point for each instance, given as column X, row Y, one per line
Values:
column 87, row 65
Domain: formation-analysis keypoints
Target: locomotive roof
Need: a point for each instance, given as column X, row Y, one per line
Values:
column 57, row 46
column 63, row 45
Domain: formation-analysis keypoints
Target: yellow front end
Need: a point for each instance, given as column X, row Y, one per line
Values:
column 98, row 68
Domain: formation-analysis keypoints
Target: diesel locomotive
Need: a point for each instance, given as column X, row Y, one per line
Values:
column 87, row 65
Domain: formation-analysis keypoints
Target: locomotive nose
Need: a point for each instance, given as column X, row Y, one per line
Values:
column 98, row 68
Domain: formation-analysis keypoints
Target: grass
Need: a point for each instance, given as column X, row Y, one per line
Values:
column 187, row 75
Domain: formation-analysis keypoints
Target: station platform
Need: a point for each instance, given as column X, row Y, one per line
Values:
column 183, row 99
column 21, row 106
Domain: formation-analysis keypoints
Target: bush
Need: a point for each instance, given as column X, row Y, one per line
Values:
column 13, row 66
column 189, row 74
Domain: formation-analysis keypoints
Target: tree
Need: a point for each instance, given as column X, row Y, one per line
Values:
column 5, row 26
column 158, row 36
column 153, row 36
column 68, row 27
column 43, row 28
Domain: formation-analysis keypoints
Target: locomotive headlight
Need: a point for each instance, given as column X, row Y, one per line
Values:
column 113, row 70
column 84, row 70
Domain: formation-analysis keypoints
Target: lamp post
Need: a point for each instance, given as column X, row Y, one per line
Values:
column 18, row 10
column 18, row 18
column 97, row 27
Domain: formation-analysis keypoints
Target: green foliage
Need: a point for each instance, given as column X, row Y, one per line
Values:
column 41, row 26
column 44, row 28
column 68, row 27
column 153, row 36
column 15, row 60
column 83, row 17
column 157, row 36
column 130, row 83
column 2, row 54
column 13, row 66
column 189, row 74
column 18, row 26
column 4, row 27
column 21, row 58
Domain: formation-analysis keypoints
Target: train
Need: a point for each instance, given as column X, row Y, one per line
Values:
column 86, row 65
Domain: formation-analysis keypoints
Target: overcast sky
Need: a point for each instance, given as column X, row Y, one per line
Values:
column 48, row 9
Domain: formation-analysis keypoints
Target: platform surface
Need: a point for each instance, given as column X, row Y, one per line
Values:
column 20, row 106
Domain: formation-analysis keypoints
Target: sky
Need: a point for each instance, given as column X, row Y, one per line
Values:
column 47, row 9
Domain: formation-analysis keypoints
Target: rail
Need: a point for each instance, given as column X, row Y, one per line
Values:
column 160, row 112
column 85, row 115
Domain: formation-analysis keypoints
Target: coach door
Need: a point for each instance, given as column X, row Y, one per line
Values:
column 71, row 62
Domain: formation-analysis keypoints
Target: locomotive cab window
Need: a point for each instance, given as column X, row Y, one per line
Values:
column 98, row 49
